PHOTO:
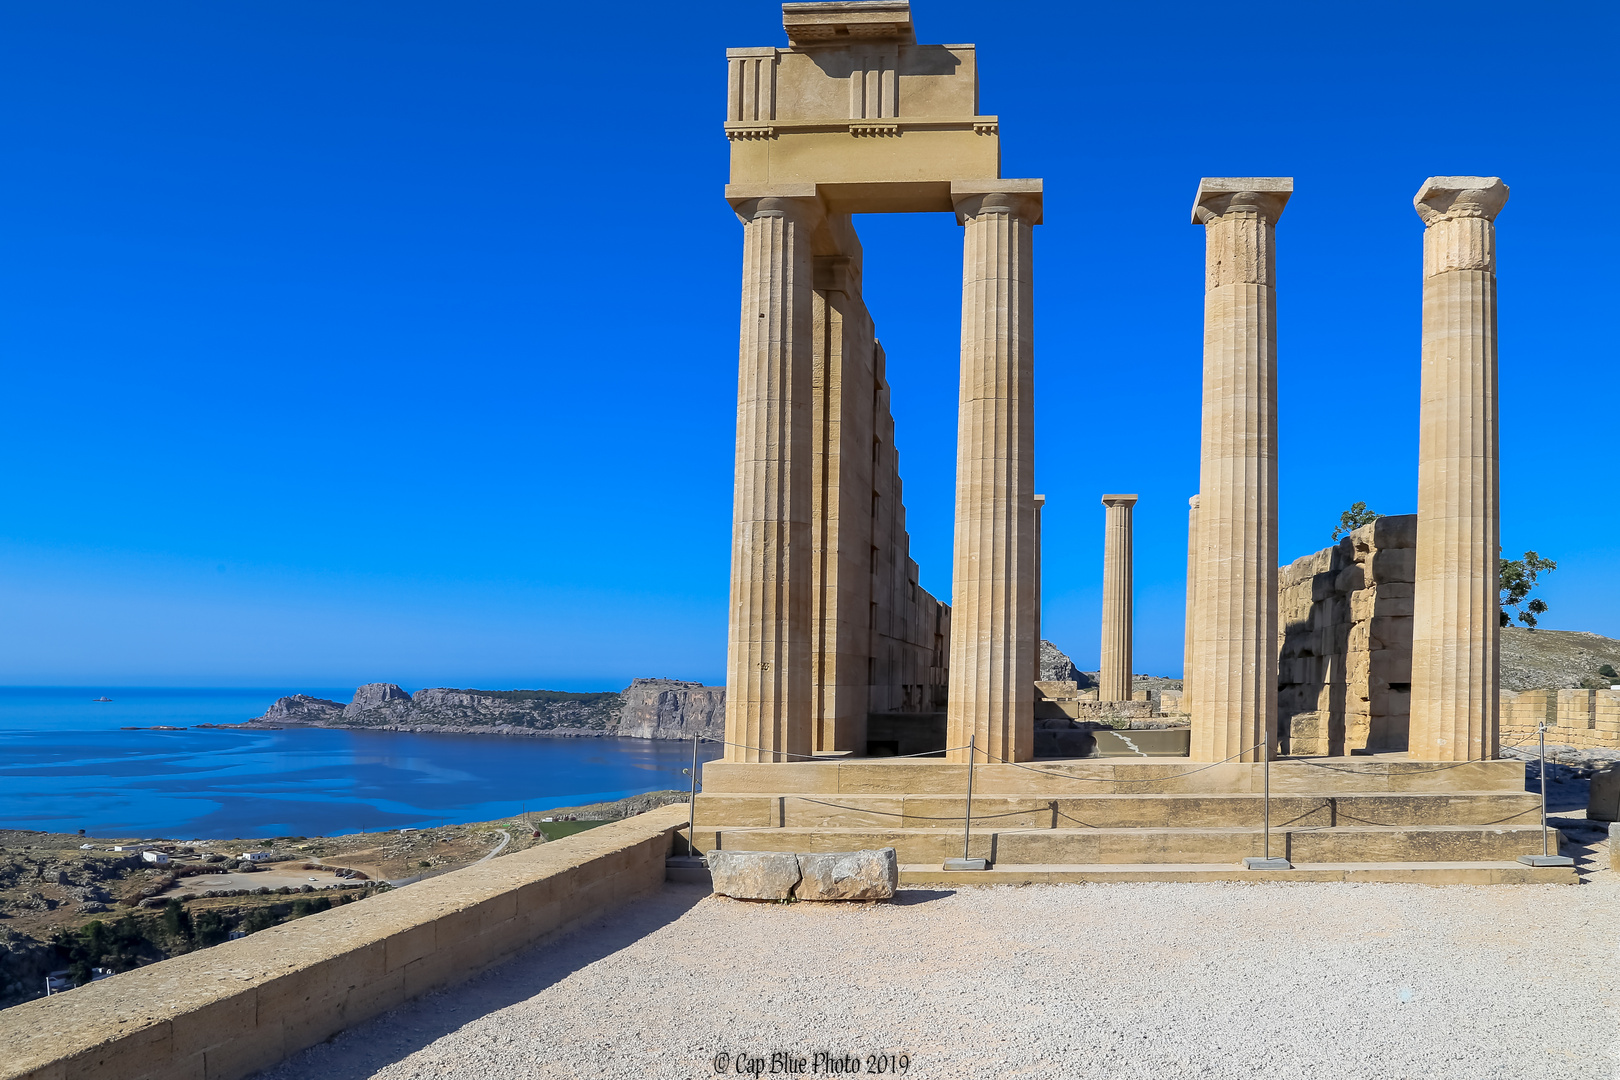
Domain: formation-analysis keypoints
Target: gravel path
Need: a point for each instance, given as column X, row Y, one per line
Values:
column 1122, row 980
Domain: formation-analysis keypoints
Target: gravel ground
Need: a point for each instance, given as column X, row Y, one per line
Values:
column 1119, row 980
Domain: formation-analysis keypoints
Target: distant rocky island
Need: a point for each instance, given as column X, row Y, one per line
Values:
column 646, row 709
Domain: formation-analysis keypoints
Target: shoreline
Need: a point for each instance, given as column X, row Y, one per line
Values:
column 433, row 729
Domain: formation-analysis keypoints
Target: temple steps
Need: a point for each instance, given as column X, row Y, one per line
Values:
column 1110, row 811
column 1424, row 873
column 1150, row 846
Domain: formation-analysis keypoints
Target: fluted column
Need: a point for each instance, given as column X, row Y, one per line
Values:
column 992, row 698
column 1192, row 602
column 768, row 700
column 1234, row 703
column 1040, row 505
column 1455, row 626
column 1114, row 678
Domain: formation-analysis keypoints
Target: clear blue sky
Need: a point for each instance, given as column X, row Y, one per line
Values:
column 397, row 340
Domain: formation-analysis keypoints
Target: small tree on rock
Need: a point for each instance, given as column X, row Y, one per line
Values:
column 1518, row 580
column 1354, row 518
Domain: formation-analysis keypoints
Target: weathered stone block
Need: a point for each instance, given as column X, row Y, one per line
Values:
column 754, row 875
column 1399, row 564
column 849, row 875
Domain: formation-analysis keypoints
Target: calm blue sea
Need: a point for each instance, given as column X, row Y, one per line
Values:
column 65, row 765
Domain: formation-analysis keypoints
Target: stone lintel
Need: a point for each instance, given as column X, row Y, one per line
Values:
column 841, row 21
column 1023, row 197
column 1120, row 500
column 1445, row 197
column 1219, row 194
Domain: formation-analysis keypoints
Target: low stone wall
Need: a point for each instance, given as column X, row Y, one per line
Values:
column 1586, row 719
column 228, row 1011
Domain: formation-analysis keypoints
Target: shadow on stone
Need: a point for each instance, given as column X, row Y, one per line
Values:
column 361, row 1051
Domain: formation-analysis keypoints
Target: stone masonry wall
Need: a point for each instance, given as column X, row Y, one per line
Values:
column 1586, row 719
column 1345, row 651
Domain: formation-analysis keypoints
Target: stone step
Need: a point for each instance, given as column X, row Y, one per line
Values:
column 1346, row 844
column 1115, row 811
column 1426, row 873
column 1117, row 776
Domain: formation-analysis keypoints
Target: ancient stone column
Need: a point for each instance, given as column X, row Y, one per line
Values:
column 1114, row 678
column 1040, row 504
column 991, row 695
column 1455, row 630
column 768, row 700
column 1234, row 703
column 1192, row 600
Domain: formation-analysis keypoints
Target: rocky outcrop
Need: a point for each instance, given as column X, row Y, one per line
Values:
column 303, row 709
column 670, row 709
column 647, row 709
column 1559, row 659
column 1057, row 667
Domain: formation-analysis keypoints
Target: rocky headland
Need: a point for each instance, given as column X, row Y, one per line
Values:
column 646, row 709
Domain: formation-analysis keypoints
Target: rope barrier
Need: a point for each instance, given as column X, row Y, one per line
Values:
column 1115, row 780
column 812, row 757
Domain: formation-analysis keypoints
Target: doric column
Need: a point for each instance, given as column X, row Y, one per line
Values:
column 1040, row 505
column 1192, row 602
column 991, row 696
column 1234, row 702
column 1114, row 678
column 768, row 696
column 1455, row 631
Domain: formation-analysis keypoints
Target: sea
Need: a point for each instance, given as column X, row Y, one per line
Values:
column 66, row 763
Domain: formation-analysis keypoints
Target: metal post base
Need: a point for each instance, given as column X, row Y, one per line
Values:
column 966, row 864
column 1546, row 860
column 1255, row 862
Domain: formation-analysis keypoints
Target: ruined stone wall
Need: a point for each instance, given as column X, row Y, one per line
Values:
column 1586, row 719
column 880, row 643
column 1344, row 677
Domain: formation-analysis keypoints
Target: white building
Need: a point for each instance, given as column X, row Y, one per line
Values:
column 257, row 856
column 154, row 857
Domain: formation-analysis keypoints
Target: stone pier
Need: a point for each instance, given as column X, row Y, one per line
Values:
column 1114, row 678
column 993, row 647
column 1234, row 694
column 1455, row 626
column 1192, row 599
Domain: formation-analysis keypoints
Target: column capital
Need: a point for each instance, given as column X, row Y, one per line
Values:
column 1446, row 198
column 1264, row 196
column 1192, row 502
column 1040, row 501
column 797, row 201
column 1119, row 500
column 1020, row 198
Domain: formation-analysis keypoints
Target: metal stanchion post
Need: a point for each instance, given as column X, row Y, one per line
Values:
column 1267, row 863
column 965, row 863
column 690, row 867
column 1546, row 858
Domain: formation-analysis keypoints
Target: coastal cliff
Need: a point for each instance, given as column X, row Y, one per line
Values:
column 646, row 709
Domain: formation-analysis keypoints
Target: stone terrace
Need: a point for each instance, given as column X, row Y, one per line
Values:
column 1119, row 980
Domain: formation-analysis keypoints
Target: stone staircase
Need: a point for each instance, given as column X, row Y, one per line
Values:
column 1383, row 819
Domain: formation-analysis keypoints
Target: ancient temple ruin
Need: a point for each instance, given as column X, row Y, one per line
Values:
column 1379, row 654
column 827, row 622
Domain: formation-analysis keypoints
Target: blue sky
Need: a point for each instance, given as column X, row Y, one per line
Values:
column 397, row 341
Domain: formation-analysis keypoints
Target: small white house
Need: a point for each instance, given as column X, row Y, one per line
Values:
column 257, row 856
column 157, row 857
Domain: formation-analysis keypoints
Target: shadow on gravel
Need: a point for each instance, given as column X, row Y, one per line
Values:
column 359, row 1052
column 913, row 897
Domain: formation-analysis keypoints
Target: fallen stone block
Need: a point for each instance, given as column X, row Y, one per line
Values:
column 849, row 875
column 1603, row 800
column 754, row 875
